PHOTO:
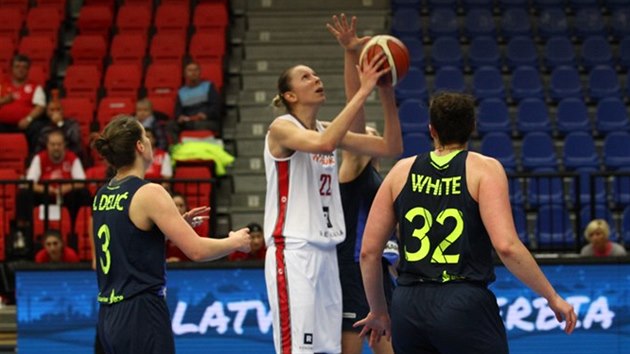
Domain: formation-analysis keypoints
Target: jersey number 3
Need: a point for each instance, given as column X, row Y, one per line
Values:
column 438, row 255
column 106, row 260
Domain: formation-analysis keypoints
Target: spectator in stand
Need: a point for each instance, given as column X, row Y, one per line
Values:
column 22, row 101
column 257, row 245
column 156, row 121
column 56, row 162
column 54, row 120
column 597, row 233
column 198, row 105
column 174, row 254
column 161, row 167
column 55, row 250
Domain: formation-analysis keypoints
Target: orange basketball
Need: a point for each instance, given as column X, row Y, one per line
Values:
column 396, row 53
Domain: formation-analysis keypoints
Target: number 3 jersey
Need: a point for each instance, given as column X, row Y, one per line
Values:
column 129, row 261
column 303, row 203
column 442, row 235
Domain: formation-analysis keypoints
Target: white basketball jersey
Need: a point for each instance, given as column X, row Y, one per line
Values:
column 303, row 203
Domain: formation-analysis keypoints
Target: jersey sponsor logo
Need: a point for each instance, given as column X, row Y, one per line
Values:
column 324, row 159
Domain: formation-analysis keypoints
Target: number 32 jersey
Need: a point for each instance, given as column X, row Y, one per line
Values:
column 303, row 203
column 442, row 234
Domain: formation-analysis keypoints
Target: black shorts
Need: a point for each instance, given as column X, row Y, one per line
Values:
column 141, row 324
column 436, row 318
column 355, row 305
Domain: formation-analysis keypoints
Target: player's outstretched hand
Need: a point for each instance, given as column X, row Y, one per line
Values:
column 195, row 216
column 242, row 240
column 376, row 326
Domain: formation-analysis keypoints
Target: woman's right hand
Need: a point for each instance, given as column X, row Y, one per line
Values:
column 241, row 239
column 345, row 32
column 371, row 71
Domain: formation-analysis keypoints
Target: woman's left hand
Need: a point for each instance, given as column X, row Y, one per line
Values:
column 346, row 32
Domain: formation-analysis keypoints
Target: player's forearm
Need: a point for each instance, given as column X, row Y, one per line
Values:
column 372, row 275
column 391, row 134
column 520, row 262
column 211, row 249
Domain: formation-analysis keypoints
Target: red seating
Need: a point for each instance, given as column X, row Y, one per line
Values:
column 210, row 16
column 168, row 47
column 123, row 80
column 13, row 151
column 7, row 50
column 44, row 19
column 213, row 71
column 196, row 193
column 11, row 19
column 82, row 81
column 61, row 222
column 172, row 17
column 89, row 49
column 83, row 231
column 163, row 103
column 95, row 19
column 39, row 48
column 81, row 109
column 128, row 48
column 38, row 73
column 112, row 106
column 97, row 172
column 163, row 79
column 134, row 18
column 8, row 194
column 207, row 46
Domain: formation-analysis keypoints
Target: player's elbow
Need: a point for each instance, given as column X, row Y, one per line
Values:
column 505, row 249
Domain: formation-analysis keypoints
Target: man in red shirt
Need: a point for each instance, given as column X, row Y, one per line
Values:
column 22, row 101
column 56, row 162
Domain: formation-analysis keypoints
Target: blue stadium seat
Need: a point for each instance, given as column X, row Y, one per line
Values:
column 559, row 51
column 611, row 116
column 446, row 51
column 499, row 145
column 515, row 186
column 416, row 143
column 521, row 51
column 552, row 22
column 493, row 116
column 414, row 116
column 437, row 4
column 520, row 222
column 406, row 22
column 479, row 22
column 406, row 4
column 624, row 53
column 617, row 151
column 565, row 83
column 572, row 115
column 595, row 51
column 413, row 85
column 488, row 83
column 620, row 22
column 589, row 22
column 443, row 22
column 526, row 83
column 532, row 116
column 586, row 192
column 475, row 4
column 538, row 152
column 603, row 82
column 506, row 4
column 545, row 4
column 416, row 50
column 484, row 51
column 615, row 5
column 449, row 78
column 554, row 228
column 620, row 190
column 545, row 190
column 576, row 5
column 515, row 22
column 625, row 225
column 579, row 152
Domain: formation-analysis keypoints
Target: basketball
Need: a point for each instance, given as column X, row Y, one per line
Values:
column 396, row 53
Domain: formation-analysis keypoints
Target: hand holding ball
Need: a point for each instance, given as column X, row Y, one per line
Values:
column 396, row 54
